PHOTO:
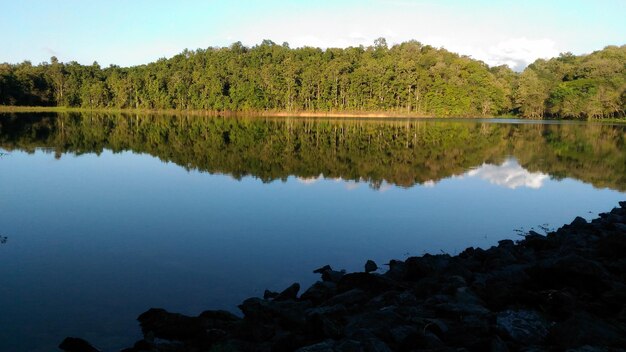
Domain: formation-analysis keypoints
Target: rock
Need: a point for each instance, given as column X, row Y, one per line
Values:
column 288, row 341
column 397, row 269
column 365, row 282
column 218, row 319
column 370, row 266
column 506, row 243
column 428, row 265
column 460, row 309
column 560, row 303
column 336, row 310
column 333, row 276
column 348, row 298
column 464, row 302
column 322, row 269
column 578, row 222
column 430, row 342
column 524, row 326
column 348, row 345
column 569, row 271
column 290, row 314
column 497, row 345
column 584, row 329
column 375, row 345
column 392, row 298
column 402, row 334
column 324, row 346
column 323, row 325
column 436, row 326
column 455, row 281
column 377, row 322
column 169, row 326
column 537, row 241
column 290, row 293
column 319, row 292
column 269, row 294
column 587, row 348
column 75, row 344
column 622, row 204
column 142, row 345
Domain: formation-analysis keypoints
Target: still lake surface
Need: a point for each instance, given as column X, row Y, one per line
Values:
column 106, row 216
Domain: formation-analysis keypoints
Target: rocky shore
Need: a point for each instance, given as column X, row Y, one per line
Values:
column 565, row 291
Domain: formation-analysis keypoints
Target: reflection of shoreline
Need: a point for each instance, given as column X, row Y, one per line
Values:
column 401, row 153
column 509, row 174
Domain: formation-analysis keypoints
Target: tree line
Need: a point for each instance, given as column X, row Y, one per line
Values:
column 403, row 153
column 409, row 78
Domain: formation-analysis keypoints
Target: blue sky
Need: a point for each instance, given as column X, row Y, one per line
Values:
column 135, row 32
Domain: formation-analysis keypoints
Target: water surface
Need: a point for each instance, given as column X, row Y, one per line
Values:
column 106, row 216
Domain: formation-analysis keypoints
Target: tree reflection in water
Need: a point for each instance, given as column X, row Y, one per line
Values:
column 399, row 152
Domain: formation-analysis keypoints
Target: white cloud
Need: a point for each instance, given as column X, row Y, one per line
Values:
column 351, row 185
column 429, row 184
column 518, row 53
column 309, row 180
column 510, row 174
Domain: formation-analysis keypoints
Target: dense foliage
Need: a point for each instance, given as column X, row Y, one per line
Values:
column 409, row 78
column 400, row 152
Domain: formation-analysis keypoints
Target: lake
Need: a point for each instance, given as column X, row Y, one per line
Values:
column 103, row 216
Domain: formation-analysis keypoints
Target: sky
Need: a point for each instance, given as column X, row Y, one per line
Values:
column 128, row 33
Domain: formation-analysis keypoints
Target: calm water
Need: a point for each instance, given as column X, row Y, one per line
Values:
column 107, row 216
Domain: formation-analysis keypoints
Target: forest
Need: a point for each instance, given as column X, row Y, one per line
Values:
column 409, row 79
column 401, row 152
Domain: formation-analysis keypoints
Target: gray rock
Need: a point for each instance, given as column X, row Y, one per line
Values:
column 465, row 302
column 322, row 269
column 579, row 222
column 436, row 326
column 338, row 309
column 349, row 345
column 584, row 329
column 497, row 345
column 74, row 344
column 588, row 348
column 506, row 243
column 370, row 266
column 319, row 291
column 288, row 313
column 324, row 346
column 290, row 293
column 348, row 298
column 397, row 269
column 269, row 294
column 326, row 326
column 375, row 345
column 620, row 227
column 169, row 326
column 400, row 334
column 333, row 276
column 523, row 326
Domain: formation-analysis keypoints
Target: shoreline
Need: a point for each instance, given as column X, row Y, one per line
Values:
column 561, row 291
column 265, row 113
column 226, row 113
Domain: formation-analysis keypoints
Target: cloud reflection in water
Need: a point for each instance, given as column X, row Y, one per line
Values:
column 509, row 174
